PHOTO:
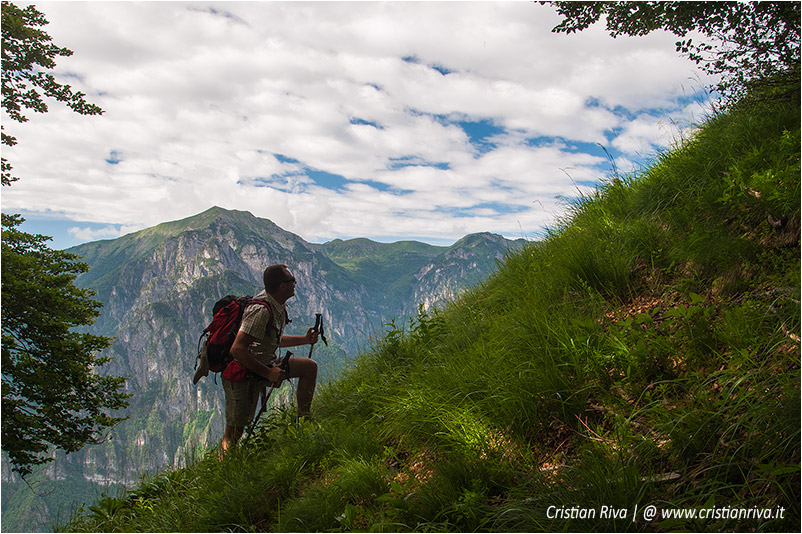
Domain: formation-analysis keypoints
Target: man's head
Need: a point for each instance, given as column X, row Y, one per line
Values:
column 279, row 282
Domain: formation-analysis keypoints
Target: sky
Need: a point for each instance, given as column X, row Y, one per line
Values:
column 391, row 121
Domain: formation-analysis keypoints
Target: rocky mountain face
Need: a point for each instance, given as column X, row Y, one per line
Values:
column 158, row 287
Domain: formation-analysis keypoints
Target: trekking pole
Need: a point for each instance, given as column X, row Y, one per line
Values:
column 319, row 329
column 285, row 366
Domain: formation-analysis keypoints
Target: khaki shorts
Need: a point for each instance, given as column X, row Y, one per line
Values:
column 242, row 399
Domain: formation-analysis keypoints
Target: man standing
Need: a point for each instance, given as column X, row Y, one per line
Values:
column 260, row 335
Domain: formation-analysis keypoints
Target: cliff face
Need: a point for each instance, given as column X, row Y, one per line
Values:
column 159, row 285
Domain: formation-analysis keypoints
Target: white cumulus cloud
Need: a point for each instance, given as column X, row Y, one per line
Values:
column 340, row 119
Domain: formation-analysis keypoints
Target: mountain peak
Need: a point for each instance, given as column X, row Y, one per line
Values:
column 206, row 218
column 482, row 239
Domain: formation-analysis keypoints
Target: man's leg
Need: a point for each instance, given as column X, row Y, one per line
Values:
column 305, row 370
column 231, row 436
column 241, row 401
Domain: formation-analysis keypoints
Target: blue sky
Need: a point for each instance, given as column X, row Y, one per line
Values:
column 391, row 121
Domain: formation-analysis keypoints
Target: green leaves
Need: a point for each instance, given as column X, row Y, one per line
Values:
column 51, row 393
column 27, row 54
column 745, row 41
column 26, row 50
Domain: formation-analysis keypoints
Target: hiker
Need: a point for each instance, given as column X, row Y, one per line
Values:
column 255, row 347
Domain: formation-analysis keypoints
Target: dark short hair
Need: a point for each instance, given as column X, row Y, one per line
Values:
column 274, row 276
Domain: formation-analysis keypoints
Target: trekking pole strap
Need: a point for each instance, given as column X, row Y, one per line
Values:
column 319, row 329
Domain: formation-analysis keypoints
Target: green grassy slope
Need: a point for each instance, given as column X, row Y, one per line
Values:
column 646, row 353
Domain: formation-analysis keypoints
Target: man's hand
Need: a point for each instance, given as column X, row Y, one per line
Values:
column 311, row 336
column 276, row 374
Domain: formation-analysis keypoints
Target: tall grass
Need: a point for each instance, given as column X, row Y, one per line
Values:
column 646, row 352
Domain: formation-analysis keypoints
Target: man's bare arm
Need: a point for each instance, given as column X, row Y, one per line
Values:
column 240, row 352
column 294, row 341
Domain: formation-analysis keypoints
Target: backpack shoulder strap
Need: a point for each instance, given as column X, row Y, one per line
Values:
column 269, row 310
column 263, row 303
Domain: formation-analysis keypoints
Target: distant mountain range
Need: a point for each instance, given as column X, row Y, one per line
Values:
column 158, row 287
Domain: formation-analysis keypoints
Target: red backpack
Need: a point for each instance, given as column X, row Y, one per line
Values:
column 218, row 337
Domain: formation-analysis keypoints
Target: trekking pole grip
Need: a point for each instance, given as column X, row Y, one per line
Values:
column 318, row 320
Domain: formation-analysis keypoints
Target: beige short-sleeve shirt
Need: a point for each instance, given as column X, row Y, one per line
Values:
column 256, row 322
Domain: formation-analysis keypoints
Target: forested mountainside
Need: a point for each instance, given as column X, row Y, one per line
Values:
column 638, row 369
column 158, row 287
